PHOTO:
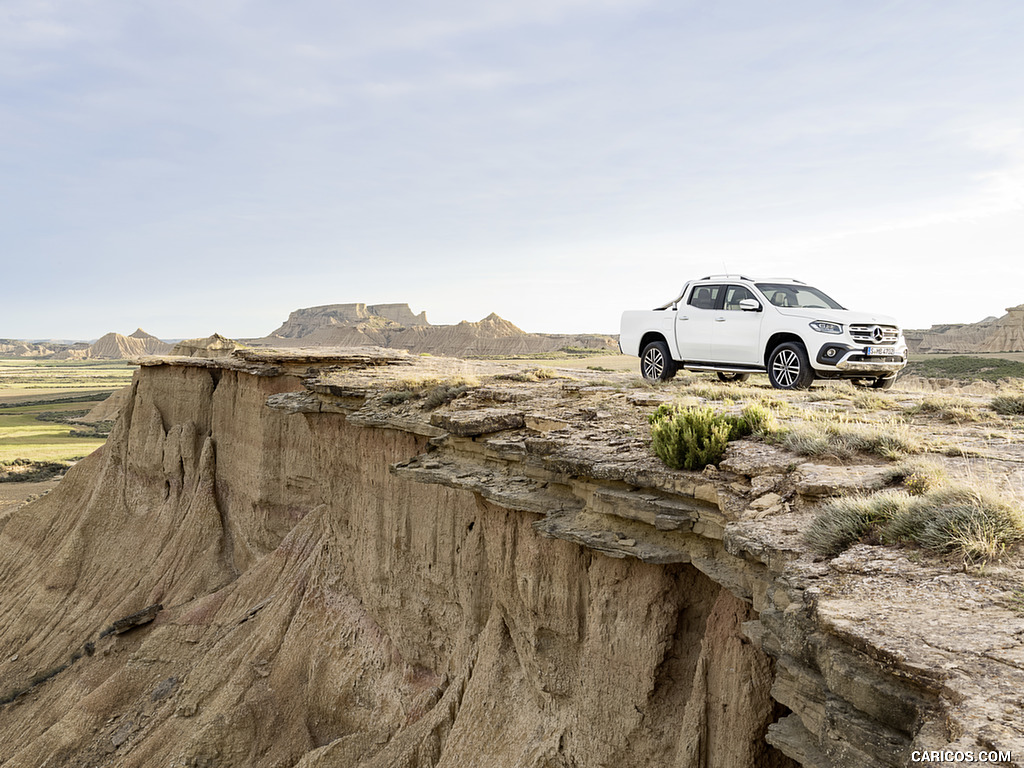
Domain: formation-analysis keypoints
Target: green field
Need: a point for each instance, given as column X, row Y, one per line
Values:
column 1006, row 365
column 52, row 389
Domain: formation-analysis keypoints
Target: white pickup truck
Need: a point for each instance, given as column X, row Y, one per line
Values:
column 738, row 325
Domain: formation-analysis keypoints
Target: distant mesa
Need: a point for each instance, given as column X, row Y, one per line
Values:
column 212, row 346
column 397, row 327
column 1003, row 334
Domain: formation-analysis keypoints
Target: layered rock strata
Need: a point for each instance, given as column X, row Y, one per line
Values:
column 303, row 573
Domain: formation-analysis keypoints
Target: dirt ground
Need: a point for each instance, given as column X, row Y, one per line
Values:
column 13, row 495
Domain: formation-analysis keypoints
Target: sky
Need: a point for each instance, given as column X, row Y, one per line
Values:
column 198, row 166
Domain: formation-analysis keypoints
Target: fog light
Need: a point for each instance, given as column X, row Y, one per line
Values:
column 830, row 353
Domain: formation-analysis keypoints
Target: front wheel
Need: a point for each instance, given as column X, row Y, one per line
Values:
column 656, row 363
column 789, row 368
column 731, row 377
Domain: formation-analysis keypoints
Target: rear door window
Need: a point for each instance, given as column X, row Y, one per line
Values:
column 705, row 296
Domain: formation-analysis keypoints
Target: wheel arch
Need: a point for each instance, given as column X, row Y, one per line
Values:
column 653, row 336
column 780, row 338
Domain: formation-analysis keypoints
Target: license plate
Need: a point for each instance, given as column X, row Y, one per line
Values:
column 880, row 351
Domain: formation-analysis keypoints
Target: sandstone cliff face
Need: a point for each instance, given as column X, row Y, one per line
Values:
column 1004, row 334
column 319, row 610
column 341, row 582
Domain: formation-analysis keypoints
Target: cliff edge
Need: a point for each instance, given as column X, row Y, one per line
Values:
column 364, row 558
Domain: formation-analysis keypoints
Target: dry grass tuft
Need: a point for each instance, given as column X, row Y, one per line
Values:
column 971, row 521
column 836, row 435
column 958, row 410
column 1008, row 405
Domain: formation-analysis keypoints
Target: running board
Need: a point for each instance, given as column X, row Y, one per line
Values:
column 723, row 368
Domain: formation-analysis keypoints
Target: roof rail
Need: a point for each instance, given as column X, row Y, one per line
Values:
column 780, row 279
column 726, row 277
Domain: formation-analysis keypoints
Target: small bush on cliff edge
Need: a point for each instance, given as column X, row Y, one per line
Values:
column 691, row 438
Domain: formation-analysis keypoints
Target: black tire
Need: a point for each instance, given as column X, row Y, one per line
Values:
column 886, row 382
column 789, row 368
column 733, row 377
column 656, row 363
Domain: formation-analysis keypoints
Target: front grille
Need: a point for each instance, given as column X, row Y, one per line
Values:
column 867, row 334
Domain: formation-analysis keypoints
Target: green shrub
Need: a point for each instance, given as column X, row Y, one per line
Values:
column 1008, row 405
column 691, row 438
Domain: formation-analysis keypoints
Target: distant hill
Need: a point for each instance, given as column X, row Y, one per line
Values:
column 1003, row 334
column 114, row 346
column 17, row 348
column 396, row 326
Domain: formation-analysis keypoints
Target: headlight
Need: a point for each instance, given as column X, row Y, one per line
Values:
column 825, row 327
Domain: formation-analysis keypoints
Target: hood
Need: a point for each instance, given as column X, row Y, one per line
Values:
column 844, row 316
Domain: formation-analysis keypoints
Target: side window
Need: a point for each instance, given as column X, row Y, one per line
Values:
column 705, row 296
column 734, row 294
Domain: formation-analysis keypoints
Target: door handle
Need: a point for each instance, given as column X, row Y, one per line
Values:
column 719, row 319
column 682, row 317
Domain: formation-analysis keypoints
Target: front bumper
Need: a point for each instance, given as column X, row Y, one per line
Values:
column 845, row 358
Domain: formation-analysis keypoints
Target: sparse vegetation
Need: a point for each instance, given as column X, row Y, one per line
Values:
column 965, row 368
column 837, row 436
column 971, row 522
column 25, row 471
column 1008, row 405
column 872, row 401
column 442, row 394
column 691, row 438
column 918, row 475
column 958, row 410
column 432, row 391
column 397, row 397
column 533, row 374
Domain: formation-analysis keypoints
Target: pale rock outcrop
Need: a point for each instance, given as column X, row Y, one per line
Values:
column 212, row 346
column 1007, row 333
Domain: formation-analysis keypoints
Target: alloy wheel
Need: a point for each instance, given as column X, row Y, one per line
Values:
column 786, row 367
column 654, row 363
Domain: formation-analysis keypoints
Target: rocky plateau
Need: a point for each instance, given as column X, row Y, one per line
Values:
column 300, row 558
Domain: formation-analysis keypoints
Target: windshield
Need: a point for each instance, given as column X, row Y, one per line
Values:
column 802, row 296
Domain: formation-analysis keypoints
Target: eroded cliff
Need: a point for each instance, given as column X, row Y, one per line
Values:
column 336, row 580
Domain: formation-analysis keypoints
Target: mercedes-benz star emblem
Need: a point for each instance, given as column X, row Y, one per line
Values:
column 876, row 333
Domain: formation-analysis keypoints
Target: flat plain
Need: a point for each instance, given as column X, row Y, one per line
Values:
column 55, row 390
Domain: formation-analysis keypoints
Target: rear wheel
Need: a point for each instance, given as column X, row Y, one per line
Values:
column 656, row 364
column 730, row 377
column 789, row 368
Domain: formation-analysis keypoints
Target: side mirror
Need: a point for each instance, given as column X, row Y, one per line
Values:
column 750, row 305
